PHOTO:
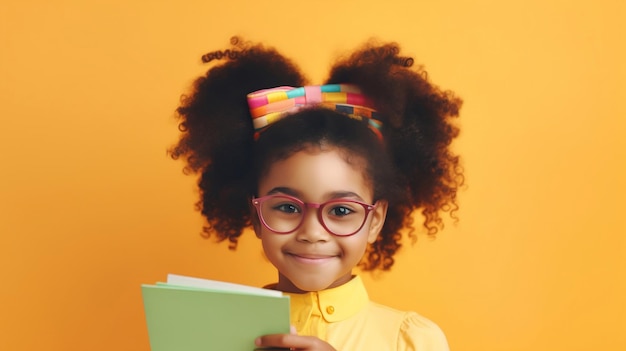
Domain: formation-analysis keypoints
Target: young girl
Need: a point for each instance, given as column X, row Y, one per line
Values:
column 327, row 176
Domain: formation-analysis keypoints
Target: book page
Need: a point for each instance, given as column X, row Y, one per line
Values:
column 180, row 280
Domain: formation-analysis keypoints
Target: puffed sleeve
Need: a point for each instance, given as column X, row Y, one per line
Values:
column 417, row 333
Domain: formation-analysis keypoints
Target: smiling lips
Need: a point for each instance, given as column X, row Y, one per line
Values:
column 311, row 258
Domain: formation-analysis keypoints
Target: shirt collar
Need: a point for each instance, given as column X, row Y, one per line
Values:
column 334, row 305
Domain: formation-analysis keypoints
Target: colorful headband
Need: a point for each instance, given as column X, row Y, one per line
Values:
column 270, row 105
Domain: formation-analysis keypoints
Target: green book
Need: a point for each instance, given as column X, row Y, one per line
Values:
column 192, row 314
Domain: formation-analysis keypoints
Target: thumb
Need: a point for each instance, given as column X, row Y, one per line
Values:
column 293, row 330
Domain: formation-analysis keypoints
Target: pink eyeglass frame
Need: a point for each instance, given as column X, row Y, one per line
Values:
column 257, row 201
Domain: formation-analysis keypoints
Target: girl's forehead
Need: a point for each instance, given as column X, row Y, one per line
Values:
column 315, row 171
column 322, row 157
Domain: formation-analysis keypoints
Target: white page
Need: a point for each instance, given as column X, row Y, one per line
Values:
column 180, row 280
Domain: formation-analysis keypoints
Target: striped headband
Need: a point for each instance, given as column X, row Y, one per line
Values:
column 270, row 105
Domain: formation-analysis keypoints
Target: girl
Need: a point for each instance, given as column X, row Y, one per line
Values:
column 327, row 176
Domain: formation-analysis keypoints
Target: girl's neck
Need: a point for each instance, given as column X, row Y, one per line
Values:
column 285, row 285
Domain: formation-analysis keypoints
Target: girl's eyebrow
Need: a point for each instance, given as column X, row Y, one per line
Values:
column 344, row 195
column 331, row 196
column 284, row 190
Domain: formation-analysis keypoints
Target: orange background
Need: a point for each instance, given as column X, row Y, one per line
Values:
column 91, row 207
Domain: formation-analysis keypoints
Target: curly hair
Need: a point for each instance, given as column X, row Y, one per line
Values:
column 414, row 169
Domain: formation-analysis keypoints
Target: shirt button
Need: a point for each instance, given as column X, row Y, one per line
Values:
column 330, row 309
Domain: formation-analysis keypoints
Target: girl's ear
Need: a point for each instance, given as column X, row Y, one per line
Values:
column 378, row 220
column 256, row 224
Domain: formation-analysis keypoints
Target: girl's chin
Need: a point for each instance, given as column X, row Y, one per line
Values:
column 313, row 261
column 300, row 286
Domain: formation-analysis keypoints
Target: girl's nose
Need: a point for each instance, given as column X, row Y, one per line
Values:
column 311, row 229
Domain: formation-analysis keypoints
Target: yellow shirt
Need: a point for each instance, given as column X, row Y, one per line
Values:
column 346, row 318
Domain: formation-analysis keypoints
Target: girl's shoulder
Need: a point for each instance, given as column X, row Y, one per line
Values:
column 415, row 332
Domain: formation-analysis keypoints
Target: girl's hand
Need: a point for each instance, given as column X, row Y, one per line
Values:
column 293, row 342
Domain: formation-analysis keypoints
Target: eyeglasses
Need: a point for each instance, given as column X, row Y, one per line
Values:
column 284, row 214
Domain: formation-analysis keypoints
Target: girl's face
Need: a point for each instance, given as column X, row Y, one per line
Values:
column 311, row 258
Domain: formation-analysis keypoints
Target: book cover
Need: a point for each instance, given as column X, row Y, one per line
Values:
column 192, row 314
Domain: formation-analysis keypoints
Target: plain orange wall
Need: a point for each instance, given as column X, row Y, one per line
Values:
column 91, row 207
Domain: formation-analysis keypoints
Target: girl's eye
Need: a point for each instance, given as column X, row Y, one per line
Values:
column 340, row 211
column 287, row 208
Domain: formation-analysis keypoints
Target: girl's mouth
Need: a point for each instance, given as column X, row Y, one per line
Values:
column 311, row 258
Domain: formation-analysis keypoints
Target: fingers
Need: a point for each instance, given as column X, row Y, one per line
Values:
column 275, row 340
column 294, row 342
